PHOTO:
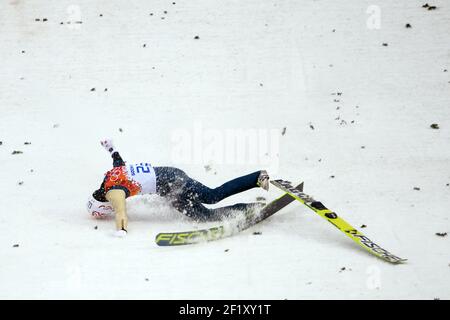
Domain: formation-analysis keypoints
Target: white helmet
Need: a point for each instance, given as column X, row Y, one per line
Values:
column 99, row 209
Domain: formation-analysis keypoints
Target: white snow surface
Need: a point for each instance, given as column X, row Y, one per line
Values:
column 261, row 65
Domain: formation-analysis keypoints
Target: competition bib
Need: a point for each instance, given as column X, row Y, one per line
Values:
column 144, row 174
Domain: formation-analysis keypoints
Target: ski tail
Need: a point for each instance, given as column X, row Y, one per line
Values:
column 320, row 209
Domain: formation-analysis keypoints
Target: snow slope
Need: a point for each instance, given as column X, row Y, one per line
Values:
column 353, row 108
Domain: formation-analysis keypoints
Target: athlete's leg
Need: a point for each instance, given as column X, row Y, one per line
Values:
column 199, row 212
column 202, row 193
column 170, row 181
column 174, row 182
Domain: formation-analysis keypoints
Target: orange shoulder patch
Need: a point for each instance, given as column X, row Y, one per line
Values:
column 118, row 177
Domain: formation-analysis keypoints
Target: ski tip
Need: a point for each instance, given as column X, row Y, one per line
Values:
column 401, row 261
column 395, row 261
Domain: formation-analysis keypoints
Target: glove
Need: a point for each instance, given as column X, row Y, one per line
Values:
column 120, row 233
column 108, row 145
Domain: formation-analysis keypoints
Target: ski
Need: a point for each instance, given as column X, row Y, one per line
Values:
column 338, row 222
column 226, row 229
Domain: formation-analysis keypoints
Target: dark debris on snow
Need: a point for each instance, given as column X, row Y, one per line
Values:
column 428, row 7
column 434, row 126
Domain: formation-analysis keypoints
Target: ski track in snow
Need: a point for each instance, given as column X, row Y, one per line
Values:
column 353, row 105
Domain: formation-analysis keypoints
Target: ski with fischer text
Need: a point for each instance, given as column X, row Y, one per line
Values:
column 226, row 229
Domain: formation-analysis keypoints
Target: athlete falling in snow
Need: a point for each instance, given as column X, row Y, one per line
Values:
column 184, row 193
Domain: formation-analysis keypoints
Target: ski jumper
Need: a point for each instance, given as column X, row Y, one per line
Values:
column 184, row 193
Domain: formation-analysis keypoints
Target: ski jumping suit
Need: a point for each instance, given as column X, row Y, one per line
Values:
column 183, row 192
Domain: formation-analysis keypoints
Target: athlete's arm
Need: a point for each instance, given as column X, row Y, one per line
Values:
column 117, row 159
column 117, row 199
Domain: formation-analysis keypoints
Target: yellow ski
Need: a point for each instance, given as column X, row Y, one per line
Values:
column 338, row 222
